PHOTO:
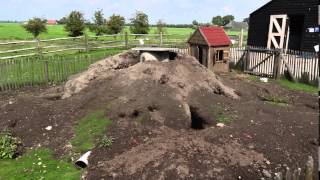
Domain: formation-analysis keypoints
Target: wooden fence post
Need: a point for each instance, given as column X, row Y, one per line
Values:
column 247, row 60
column 86, row 43
column 240, row 39
column 39, row 49
column 161, row 39
column 126, row 40
column 46, row 71
column 277, row 64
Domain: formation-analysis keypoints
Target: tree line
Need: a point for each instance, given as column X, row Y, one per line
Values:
column 75, row 24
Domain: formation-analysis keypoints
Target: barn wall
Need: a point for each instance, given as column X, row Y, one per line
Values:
column 259, row 21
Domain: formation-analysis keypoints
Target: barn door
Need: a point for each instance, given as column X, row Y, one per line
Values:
column 278, row 30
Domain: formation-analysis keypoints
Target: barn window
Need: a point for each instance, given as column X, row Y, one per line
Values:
column 219, row 55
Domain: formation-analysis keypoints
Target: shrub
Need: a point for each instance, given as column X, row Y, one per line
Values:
column 75, row 24
column 115, row 24
column 99, row 26
column 140, row 23
column 36, row 26
column 8, row 145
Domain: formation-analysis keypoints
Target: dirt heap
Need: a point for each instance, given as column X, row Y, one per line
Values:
column 164, row 117
column 185, row 74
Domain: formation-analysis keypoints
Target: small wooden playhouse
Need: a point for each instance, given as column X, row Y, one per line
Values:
column 211, row 46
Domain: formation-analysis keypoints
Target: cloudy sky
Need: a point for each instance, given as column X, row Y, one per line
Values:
column 171, row 11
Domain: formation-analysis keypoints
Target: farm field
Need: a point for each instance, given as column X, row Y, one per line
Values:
column 14, row 31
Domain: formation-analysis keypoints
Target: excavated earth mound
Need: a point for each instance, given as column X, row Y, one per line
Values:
column 163, row 121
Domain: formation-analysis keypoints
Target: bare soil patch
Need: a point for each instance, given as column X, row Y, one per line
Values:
column 164, row 121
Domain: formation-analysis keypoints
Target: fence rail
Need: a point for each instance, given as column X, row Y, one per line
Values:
column 39, row 47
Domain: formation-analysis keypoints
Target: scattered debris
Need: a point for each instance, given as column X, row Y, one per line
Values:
column 48, row 128
column 266, row 173
column 83, row 162
column 220, row 125
column 264, row 80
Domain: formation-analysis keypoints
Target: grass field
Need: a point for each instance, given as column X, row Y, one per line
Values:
column 14, row 31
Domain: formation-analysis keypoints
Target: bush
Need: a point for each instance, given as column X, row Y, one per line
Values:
column 115, row 24
column 140, row 23
column 8, row 145
column 99, row 25
column 75, row 24
column 36, row 26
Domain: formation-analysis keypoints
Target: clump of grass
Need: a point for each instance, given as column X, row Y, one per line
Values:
column 8, row 145
column 274, row 98
column 106, row 141
column 282, row 101
column 88, row 129
column 37, row 164
column 221, row 115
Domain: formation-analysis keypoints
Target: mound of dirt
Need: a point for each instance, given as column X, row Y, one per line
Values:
column 184, row 74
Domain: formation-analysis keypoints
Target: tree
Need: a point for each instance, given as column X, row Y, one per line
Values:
column 75, row 24
column 99, row 23
column 217, row 20
column 115, row 24
column 227, row 19
column 161, row 26
column 36, row 26
column 139, row 23
column 246, row 20
column 63, row 20
column 195, row 24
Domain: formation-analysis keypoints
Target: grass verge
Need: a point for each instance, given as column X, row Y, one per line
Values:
column 88, row 130
column 37, row 164
column 298, row 86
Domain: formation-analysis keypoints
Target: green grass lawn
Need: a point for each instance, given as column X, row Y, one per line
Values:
column 37, row 164
column 298, row 86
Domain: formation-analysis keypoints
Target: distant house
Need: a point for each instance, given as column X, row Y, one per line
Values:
column 236, row 25
column 291, row 24
column 52, row 22
column 211, row 46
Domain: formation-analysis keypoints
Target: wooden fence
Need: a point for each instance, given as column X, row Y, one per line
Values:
column 16, row 49
column 302, row 66
column 36, row 62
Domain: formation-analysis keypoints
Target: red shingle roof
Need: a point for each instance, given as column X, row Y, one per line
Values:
column 215, row 36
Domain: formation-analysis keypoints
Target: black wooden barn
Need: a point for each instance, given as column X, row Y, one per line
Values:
column 296, row 25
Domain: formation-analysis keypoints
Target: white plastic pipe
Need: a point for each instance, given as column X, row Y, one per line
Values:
column 82, row 162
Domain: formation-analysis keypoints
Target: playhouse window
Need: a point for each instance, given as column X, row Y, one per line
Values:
column 219, row 55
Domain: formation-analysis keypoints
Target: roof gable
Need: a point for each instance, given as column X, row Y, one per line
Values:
column 215, row 36
column 197, row 38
